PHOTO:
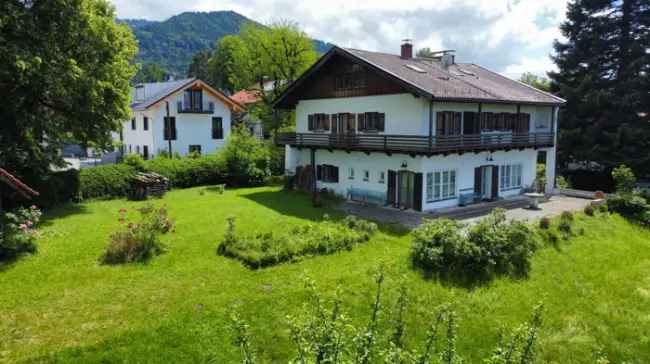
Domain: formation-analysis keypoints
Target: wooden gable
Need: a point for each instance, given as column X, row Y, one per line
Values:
column 341, row 76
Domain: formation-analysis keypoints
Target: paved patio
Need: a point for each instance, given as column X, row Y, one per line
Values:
column 553, row 207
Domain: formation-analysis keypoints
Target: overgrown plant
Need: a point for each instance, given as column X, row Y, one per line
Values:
column 18, row 232
column 138, row 241
column 324, row 334
column 493, row 246
column 295, row 241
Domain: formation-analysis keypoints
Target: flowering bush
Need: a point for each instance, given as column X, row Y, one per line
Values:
column 19, row 232
column 140, row 241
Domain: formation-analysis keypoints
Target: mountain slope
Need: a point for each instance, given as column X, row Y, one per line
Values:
column 172, row 42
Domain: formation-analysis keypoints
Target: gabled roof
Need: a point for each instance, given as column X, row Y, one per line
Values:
column 463, row 82
column 246, row 97
column 157, row 91
column 17, row 184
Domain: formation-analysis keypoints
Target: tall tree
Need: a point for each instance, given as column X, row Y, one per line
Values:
column 199, row 66
column 222, row 65
column 65, row 75
column 270, row 56
column 424, row 52
column 538, row 82
column 604, row 74
column 150, row 72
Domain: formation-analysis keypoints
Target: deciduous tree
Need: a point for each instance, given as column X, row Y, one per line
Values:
column 65, row 75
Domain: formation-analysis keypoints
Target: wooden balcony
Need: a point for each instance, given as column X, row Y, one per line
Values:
column 415, row 144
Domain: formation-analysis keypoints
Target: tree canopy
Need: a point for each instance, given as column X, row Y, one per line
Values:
column 278, row 53
column 538, row 82
column 199, row 66
column 150, row 72
column 65, row 76
column 604, row 74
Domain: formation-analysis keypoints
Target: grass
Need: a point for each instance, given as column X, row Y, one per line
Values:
column 60, row 305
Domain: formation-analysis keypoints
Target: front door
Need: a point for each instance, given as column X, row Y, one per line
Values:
column 486, row 182
column 405, row 189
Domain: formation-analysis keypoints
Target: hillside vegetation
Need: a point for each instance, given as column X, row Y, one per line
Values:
column 172, row 42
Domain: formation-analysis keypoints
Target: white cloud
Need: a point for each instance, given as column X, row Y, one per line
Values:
column 504, row 35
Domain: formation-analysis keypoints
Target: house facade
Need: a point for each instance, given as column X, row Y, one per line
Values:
column 188, row 115
column 418, row 133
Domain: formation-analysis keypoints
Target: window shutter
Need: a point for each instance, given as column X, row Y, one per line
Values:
column 173, row 124
column 440, row 123
column 319, row 172
column 381, row 121
column 335, row 119
column 310, row 122
column 362, row 121
column 326, row 122
column 336, row 174
column 187, row 99
column 179, row 106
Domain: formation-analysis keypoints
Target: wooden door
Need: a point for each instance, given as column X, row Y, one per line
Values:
column 495, row 182
column 417, row 192
column 392, row 188
column 477, row 180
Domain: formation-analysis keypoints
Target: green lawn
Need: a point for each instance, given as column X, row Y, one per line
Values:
column 62, row 306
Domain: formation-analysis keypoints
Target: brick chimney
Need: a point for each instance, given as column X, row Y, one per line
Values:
column 407, row 49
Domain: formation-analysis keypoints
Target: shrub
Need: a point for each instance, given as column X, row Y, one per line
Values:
column 545, row 223
column 628, row 205
column 110, row 180
column 18, row 233
column 293, row 242
column 57, row 187
column 603, row 208
column 567, row 215
column 135, row 161
column 140, row 241
column 562, row 182
column 589, row 210
column 189, row 172
column 491, row 246
column 246, row 158
column 624, row 179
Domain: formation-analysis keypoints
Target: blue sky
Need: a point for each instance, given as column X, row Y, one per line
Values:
column 508, row 36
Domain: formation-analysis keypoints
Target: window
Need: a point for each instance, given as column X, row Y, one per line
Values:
column 169, row 131
column 145, row 152
column 217, row 128
column 510, row 176
column 133, row 124
column 145, row 123
column 130, row 150
column 371, row 121
column 517, row 123
column 441, row 185
column 366, row 175
column 382, row 177
column 448, row 123
column 327, row 173
column 137, row 149
column 195, row 149
column 318, row 122
column 193, row 100
column 350, row 173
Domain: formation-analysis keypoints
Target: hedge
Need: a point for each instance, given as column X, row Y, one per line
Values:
column 111, row 180
column 189, row 172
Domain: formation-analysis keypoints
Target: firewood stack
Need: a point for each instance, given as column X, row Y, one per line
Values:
column 148, row 184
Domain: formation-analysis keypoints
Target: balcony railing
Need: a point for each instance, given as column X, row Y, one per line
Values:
column 194, row 109
column 415, row 144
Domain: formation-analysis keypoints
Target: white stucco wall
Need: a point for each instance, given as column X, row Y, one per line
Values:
column 409, row 115
column 191, row 128
column 378, row 162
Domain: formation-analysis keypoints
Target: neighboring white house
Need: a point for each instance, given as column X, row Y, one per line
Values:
column 199, row 118
column 420, row 133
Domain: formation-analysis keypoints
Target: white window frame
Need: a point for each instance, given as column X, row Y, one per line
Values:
column 382, row 177
column 366, row 175
column 439, row 185
column 350, row 173
column 511, row 176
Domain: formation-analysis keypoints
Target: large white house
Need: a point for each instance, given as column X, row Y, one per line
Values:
column 187, row 114
column 420, row 133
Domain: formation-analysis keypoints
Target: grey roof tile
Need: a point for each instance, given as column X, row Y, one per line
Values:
column 153, row 92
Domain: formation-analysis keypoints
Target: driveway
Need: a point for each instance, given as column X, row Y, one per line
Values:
column 411, row 219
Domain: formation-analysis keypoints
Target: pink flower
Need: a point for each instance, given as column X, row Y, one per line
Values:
column 33, row 207
column 29, row 223
column 22, row 227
